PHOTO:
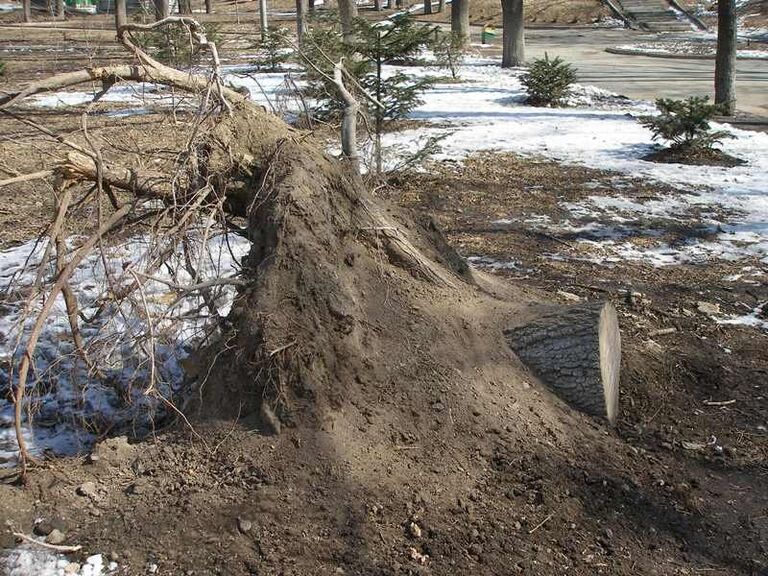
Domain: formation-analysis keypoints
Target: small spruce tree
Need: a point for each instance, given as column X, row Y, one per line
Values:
column 450, row 50
column 685, row 123
column 375, row 46
column 274, row 50
column 548, row 81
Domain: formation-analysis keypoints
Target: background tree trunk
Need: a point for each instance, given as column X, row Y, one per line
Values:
column 460, row 18
column 263, row 18
column 209, row 6
column 301, row 19
column 162, row 9
column 427, row 6
column 377, row 5
column 185, row 7
column 311, row 4
column 27, row 10
column 441, row 6
column 576, row 352
column 347, row 14
column 514, row 33
column 121, row 14
column 725, row 61
column 60, row 10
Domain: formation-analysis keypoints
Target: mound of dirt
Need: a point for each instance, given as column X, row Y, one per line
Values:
column 411, row 440
column 696, row 156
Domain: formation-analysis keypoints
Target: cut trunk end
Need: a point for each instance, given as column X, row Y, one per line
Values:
column 576, row 352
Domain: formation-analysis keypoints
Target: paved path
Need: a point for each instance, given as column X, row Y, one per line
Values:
column 642, row 76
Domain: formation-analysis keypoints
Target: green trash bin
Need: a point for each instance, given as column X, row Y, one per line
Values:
column 488, row 34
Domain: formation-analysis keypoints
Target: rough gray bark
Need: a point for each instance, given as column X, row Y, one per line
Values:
column 209, row 6
column 513, row 40
column 27, row 4
column 347, row 15
column 185, row 7
column 460, row 18
column 162, row 9
column 576, row 352
column 725, row 60
column 377, row 5
column 427, row 6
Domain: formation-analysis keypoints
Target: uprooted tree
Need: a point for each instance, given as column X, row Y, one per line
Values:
column 326, row 257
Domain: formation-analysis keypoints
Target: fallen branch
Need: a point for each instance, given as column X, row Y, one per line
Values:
column 57, row 548
column 26, row 177
column 719, row 403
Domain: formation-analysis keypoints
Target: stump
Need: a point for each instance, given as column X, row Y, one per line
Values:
column 576, row 352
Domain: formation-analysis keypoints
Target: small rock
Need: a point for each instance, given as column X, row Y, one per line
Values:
column 244, row 525
column 72, row 568
column 518, row 526
column 476, row 549
column 270, row 423
column 43, row 528
column 569, row 296
column 56, row 537
column 87, row 489
column 152, row 568
column 137, row 488
column 708, row 308
column 608, row 533
column 414, row 530
column 114, row 556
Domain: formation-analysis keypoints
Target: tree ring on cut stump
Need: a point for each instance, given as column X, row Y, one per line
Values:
column 576, row 352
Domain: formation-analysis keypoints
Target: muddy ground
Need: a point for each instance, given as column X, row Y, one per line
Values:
column 451, row 462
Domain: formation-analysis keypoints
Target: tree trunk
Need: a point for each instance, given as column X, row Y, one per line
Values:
column 209, row 6
column 162, row 9
column 576, row 352
column 427, row 6
column 121, row 14
column 514, row 34
column 441, row 6
column 61, row 10
column 460, row 18
column 301, row 20
column 263, row 19
column 185, row 7
column 347, row 14
column 725, row 61
column 27, row 4
column 311, row 5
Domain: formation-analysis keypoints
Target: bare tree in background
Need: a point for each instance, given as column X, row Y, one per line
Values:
column 725, row 61
column 513, row 40
column 185, row 7
column 209, row 6
column 427, row 6
column 347, row 14
column 301, row 19
column 460, row 18
column 162, row 9
column 263, row 18
column 27, row 10
column 121, row 14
